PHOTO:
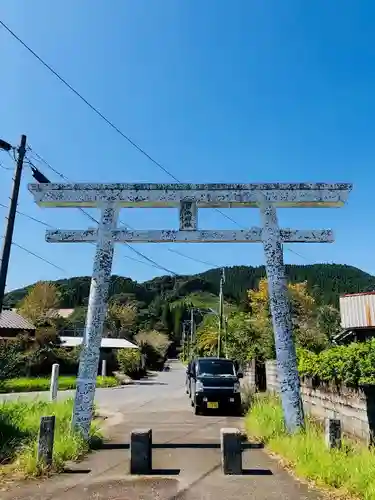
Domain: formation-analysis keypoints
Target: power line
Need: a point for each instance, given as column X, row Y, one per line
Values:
column 40, row 158
column 296, row 253
column 38, row 256
column 125, row 224
column 140, row 254
column 4, row 167
column 29, row 217
column 101, row 115
column 108, row 122
column 52, row 227
column 194, row 259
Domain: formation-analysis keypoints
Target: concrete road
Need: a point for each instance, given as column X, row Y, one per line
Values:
column 161, row 387
column 186, row 457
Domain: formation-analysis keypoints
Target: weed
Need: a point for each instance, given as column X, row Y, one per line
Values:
column 350, row 470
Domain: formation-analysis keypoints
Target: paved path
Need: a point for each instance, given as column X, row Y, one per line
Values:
column 186, row 455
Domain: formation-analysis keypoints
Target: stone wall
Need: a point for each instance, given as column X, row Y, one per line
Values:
column 355, row 409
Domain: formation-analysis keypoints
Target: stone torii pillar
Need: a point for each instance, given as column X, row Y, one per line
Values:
column 281, row 319
column 96, row 312
column 188, row 198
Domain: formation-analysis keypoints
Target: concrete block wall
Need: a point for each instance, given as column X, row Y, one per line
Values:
column 249, row 374
column 355, row 409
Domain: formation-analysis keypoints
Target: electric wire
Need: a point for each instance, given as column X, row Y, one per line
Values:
column 37, row 256
column 109, row 122
column 137, row 252
column 47, row 164
column 126, row 224
column 4, row 167
column 29, row 217
column 101, row 115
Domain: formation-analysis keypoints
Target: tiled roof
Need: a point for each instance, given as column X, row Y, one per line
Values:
column 55, row 313
column 12, row 320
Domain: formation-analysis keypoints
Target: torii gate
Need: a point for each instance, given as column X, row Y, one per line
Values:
column 110, row 198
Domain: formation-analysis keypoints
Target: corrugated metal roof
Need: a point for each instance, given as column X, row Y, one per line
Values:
column 13, row 320
column 357, row 294
column 106, row 342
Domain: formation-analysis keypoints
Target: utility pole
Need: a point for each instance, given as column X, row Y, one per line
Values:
column 11, row 218
column 191, row 327
column 184, row 340
column 221, row 306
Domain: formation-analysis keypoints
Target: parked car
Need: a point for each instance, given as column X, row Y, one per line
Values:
column 214, row 384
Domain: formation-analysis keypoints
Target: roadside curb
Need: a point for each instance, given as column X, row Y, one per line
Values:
column 111, row 419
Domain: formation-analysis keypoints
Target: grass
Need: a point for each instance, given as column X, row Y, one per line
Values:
column 43, row 384
column 19, row 427
column 349, row 471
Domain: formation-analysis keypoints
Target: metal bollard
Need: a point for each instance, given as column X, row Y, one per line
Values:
column 333, row 433
column 46, row 439
column 54, row 382
column 231, row 451
column 141, row 451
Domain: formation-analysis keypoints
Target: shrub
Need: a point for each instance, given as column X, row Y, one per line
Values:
column 154, row 346
column 351, row 365
column 129, row 360
column 11, row 361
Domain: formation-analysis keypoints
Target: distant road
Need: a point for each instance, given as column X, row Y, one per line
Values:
column 165, row 389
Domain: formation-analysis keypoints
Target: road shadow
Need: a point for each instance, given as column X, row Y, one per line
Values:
column 146, row 382
column 369, row 391
column 257, row 472
column 177, row 446
column 72, row 470
column 164, row 472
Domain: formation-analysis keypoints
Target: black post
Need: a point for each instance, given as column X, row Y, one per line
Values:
column 11, row 217
column 46, row 440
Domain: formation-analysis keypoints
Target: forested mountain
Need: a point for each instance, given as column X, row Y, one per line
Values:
column 326, row 282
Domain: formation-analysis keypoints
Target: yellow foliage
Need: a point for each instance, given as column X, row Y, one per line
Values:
column 298, row 294
column 120, row 318
column 207, row 336
column 259, row 298
column 41, row 300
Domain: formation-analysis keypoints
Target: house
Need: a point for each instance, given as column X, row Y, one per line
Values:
column 108, row 347
column 357, row 313
column 13, row 324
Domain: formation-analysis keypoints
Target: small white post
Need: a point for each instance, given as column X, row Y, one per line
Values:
column 54, row 387
column 96, row 311
column 281, row 319
column 104, row 368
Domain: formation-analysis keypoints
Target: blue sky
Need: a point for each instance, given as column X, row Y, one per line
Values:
column 217, row 91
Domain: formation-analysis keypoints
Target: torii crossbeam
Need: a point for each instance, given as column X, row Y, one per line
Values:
column 188, row 198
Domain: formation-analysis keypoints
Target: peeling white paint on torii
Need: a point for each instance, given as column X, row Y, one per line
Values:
column 188, row 198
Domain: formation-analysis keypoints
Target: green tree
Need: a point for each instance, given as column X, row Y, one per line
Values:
column 154, row 346
column 120, row 320
column 328, row 321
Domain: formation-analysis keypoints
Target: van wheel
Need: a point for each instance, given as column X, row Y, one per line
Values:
column 197, row 410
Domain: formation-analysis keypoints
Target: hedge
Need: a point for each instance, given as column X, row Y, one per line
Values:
column 352, row 365
column 129, row 361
